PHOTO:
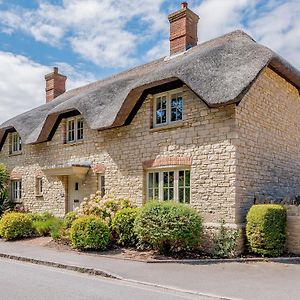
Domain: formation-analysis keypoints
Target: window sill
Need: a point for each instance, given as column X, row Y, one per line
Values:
column 166, row 127
column 74, row 143
column 17, row 201
column 15, row 154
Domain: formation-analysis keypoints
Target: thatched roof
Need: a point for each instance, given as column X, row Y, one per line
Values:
column 218, row 71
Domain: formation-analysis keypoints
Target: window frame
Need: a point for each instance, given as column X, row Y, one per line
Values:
column 76, row 130
column 101, row 184
column 39, row 186
column 16, row 190
column 161, row 187
column 15, row 141
column 168, row 95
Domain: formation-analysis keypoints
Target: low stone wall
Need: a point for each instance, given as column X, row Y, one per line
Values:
column 293, row 228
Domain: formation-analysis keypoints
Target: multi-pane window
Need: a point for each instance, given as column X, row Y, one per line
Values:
column 169, row 185
column 16, row 143
column 39, row 186
column 16, row 190
column 74, row 129
column 168, row 108
column 101, row 184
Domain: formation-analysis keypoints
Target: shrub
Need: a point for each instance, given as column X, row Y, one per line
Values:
column 122, row 226
column 225, row 242
column 266, row 229
column 89, row 232
column 5, row 203
column 168, row 226
column 43, row 216
column 69, row 218
column 45, row 227
column 104, row 208
column 14, row 225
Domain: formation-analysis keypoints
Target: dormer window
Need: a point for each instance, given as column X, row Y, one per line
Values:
column 168, row 108
column 74, row 129
column 16, row 143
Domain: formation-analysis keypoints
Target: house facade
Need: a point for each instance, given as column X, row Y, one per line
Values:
column 213, row 125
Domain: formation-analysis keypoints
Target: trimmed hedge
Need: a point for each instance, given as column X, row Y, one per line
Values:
column 266, row 229
column 122, row 226
column 89, row 232
column 15, row 225
column 168, row 226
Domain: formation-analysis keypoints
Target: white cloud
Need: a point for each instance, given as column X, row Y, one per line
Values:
column 96, row 29
column 23, row 85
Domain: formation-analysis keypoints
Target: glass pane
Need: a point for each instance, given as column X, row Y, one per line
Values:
column 156, row 180
column 150, row 191
column 181, row 195
column 187, row 195
column 181, row 178
column 166, row 194
column 187, row 178
column 156, row 194
column 164, row 103
column 166, row 179
column 163, row 116
column 158, row 103
column 171, row 194
column 150, row 182
column 171, row 178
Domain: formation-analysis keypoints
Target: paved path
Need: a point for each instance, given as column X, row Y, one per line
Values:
column 228, row 280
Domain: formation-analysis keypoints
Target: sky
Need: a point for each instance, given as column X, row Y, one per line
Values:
column 91, row 39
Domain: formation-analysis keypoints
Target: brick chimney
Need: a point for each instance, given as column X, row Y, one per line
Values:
column 183, row 29
column 55, row 84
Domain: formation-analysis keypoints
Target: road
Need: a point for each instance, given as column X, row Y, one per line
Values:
column 24, row 281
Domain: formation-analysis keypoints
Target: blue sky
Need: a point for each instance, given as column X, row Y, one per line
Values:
column 91, row 39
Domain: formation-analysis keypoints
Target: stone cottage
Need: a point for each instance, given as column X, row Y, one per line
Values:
column 212, row 125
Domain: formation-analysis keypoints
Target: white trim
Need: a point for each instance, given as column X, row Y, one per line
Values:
column 160, row 172
column 16, row 141
column 168, row 96
column 75, row 130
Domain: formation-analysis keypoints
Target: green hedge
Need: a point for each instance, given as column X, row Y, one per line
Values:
column 89, row 232
column 15, row 225
column 266, row 229
column 169, row 226
column 122, row 226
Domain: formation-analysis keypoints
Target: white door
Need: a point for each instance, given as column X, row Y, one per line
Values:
column 74, row 192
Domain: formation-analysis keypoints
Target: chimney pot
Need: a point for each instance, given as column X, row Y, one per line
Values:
column 55, row 84
column 184, row 4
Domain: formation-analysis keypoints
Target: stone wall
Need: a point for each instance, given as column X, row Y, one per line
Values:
column 205, row 138
column 293, row 229
column 268, row 156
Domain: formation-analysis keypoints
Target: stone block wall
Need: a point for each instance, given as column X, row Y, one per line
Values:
column 293, row 229
column 268, row 156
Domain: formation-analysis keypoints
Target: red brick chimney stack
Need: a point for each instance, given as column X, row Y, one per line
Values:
column 55, row 84
column 183, row 29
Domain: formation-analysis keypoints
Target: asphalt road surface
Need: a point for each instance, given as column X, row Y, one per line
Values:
column 24, row 281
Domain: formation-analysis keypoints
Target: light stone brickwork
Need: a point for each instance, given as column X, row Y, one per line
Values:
column 204, row 139
column 268, row 155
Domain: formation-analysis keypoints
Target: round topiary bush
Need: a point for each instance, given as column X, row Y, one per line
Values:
column 266, row 229
column 89, row 232
column 69, row 218
column 122, row 226
column 169, row 226
column 15, row 225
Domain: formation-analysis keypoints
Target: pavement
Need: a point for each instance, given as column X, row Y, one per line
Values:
column 255, row 280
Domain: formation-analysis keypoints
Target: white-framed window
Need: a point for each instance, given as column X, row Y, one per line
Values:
column 74, row 129
column 101, row 184
column 169, row 184
column 16, row 143
column 39, row 186
column 16, row 190
column 168, row 108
